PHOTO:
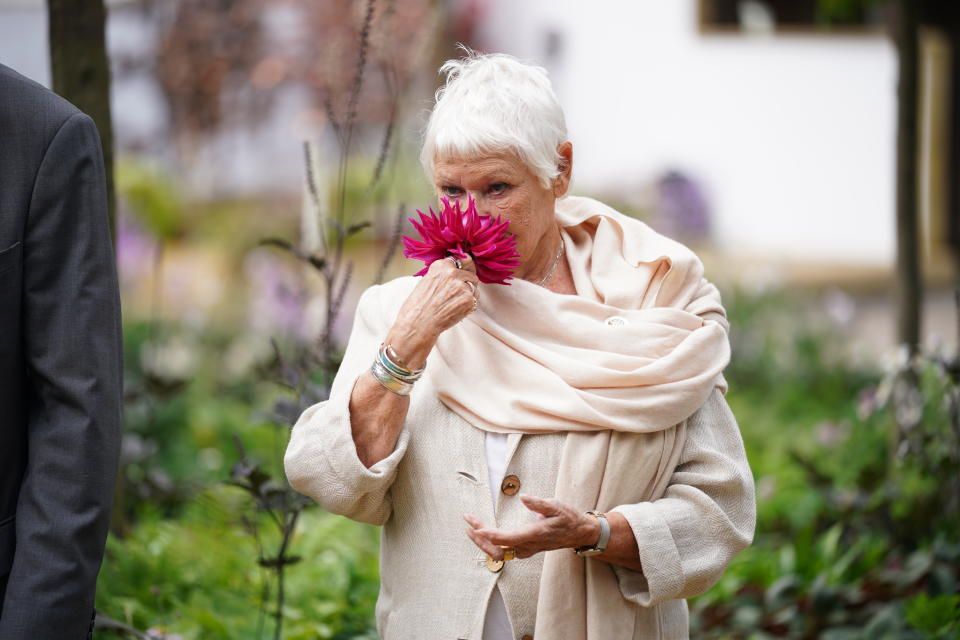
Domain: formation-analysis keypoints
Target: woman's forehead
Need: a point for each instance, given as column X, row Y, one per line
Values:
column 448, row 167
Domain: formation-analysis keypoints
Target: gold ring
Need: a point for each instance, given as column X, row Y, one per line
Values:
column 456, row 261
column 473, row 287
column 508, row 553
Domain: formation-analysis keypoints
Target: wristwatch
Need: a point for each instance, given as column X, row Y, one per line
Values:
column 601, row 546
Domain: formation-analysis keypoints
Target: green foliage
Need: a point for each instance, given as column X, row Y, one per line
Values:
column 849, row 536
column 180, row 414
column 935, row 618
column 852, row 542
column 193, row 575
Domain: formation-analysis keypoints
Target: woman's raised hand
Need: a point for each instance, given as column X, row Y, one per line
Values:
column 444, row 296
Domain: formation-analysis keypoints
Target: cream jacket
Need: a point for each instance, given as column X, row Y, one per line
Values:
column 434, row 581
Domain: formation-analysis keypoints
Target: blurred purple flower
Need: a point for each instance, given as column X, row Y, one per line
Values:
column 136, row 250
column 681, row 208
column 829, row 433
column 277, row 298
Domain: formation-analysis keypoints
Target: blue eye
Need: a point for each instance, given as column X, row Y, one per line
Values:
column 452, row 192
column 498, row 187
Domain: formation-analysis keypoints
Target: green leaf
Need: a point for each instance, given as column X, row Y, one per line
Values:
column 937, row 617
column 317, row 262
column 357, row 227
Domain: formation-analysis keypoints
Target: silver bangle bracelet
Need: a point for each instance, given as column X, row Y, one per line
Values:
column 389, row 381
column 397, row 369
column 400, row 374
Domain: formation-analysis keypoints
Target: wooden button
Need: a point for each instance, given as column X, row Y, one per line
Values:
column 510, row 485
column 495, row 566
column 527, row 637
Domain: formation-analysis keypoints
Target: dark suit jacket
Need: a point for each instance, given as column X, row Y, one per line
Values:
column 60, row 364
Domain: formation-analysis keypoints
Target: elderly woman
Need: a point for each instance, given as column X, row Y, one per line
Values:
column 549, row 459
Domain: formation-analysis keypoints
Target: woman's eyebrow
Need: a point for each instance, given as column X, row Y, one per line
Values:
column 492, row 178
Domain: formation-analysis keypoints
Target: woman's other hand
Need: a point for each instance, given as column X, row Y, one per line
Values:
column 559, row 526
column 444, row 296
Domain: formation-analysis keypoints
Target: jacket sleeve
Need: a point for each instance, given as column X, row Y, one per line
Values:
column 72, row 349
column 706, row 516
column 321, row 460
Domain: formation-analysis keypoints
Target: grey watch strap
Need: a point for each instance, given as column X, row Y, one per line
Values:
column 601, row 545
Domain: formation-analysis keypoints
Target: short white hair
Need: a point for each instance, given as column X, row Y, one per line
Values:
column 494, row 103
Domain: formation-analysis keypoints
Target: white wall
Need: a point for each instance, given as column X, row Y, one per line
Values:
column 23, row 39
column 793, row 136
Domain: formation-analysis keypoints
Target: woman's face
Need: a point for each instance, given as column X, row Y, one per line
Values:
column 503, row 185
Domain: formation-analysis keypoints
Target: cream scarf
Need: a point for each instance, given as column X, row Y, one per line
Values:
column 620, row 366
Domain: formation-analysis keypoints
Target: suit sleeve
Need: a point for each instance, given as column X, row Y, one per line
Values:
column 321, row 460
column 72, row 346
column 707, row 515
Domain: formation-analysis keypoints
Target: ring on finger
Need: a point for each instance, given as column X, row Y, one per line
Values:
column 456, row 261
column 473, row 287
column 508, row 553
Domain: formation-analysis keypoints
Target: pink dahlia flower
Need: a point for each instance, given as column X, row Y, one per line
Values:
column 458, row 233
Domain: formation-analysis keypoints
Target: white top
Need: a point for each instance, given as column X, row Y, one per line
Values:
column 496, row 624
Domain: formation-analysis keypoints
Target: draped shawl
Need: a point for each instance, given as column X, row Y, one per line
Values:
column 619, row 366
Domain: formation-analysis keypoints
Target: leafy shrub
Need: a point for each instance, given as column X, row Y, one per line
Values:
column 857, row 493
column 196, row 577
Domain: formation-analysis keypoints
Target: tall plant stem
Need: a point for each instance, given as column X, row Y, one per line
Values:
column 346, row 142
column 281, row 563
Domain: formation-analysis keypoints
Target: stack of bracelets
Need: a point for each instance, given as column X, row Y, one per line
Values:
column 390, row 371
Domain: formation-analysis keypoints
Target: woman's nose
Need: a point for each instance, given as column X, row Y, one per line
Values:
column 480, row 202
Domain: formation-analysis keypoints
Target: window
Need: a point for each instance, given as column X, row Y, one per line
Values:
column 803, row 16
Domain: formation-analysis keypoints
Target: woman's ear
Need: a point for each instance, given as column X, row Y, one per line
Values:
column 564, row 167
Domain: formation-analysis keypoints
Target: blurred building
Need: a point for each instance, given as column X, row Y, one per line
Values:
column 789, row 130
column 243, row 160
column 788, row 134
column 223, row 95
